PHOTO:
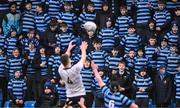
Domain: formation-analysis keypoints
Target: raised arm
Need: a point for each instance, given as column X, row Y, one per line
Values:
column 70, row 47
column 83, row 47
column 98, row 77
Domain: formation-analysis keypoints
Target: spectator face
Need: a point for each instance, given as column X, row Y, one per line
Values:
column 131, row 30
column 114, row 52
column 162, row 70
column 175, row 29
column 97, row 46
column 121, row 66
column 1, row 51
column 57, row 50
column 152, row 41
column 13, row 33
column 53, row 28
column 151, row 25
column 87, row 64
column 30, row 34
column 173, row 49
column 108, row 23
column 177, row 12
column 17, row 74
column 42, row 51
column 31, row 46
column 13, row 8
column 64, row 29
column 16, row 53
column 28, row 6
column 90, row 33
column 143, row 73
column 67, row 8
column 101, row 73
column 90, row 8
column 161, row 6
column 47, row 91
column 140, row 53
column 39, row 9
column 163, row 44
column 123, row 11
column 178, row 68
column 105, row 8
column 0, row 30
column 131, row 54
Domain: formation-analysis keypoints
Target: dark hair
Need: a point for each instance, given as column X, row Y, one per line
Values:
column 97, row 41
column 12, row 3
column 67, row 3
column 64, row 59
column 41, row 5
column 63, row 24
column 53, row 22
column 122, row 62
column 114, row 84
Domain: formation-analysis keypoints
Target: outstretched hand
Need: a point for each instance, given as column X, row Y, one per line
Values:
column 71, row 46
column 83, row 46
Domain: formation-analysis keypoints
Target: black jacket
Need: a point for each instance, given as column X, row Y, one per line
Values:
column 162, row 89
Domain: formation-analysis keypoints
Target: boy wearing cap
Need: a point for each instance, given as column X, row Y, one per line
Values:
column 109, row 36
column 162, row 53
column 162, row 88
column 173, row 36
column 17, row 90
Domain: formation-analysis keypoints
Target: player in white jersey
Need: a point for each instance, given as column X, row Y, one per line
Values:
column 75, row 90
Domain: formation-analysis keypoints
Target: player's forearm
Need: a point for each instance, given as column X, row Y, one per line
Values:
column 83, row 56
column 98, row 78
column 68, row 52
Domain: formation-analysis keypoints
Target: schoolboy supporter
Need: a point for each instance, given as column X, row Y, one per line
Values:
column 15, row 62
column 27, row 18
column 177, row 16
column 51, row 36
column 40, row 63
column 162, row 17
column 48, row 97
column 98, row 55
column 173, row 35
column 3, row 75
column 87, row 78
column 150, row 51
column 132, row 40
column 54, row 62
column 68, row 16
column 63, row 39
column 109, row 36
column 30, row 72
column 123, row 22
column 173, row 59
column 88, row 15
column 124, row 79
column 17, row 90
column 130, row 61
column 103, row 15
column 177, row 86
column 142, row 85
column 11, row 19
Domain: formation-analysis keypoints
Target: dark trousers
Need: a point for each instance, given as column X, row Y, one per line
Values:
column 99, row 102
column 162, row 105
column 40, row 85
column 89, row 100
column 142, row 102
column 3, row 86
column 31, row 88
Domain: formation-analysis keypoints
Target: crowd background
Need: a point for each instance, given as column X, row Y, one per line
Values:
column 136, row 44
